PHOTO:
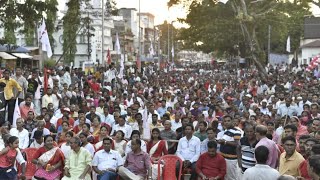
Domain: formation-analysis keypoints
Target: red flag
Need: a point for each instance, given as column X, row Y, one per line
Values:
column 45, row 79
column 108, row 57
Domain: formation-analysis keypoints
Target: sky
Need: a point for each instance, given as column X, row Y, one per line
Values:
column 158, row 8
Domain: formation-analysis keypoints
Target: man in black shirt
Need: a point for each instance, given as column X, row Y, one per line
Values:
column 32, row 83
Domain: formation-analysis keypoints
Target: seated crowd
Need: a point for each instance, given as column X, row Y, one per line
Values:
column 93, row 127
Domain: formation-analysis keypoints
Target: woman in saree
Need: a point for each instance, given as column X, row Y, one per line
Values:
column 119, row 142
column 156, row 148
column 78, row 127
column 104, row 132
column 96, row 126
column 49, row 160
column 86, row 130
column 62, row 135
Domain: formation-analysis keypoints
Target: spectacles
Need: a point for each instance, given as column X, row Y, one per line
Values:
column 290, row 145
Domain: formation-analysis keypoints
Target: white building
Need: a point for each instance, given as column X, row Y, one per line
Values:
column 82, row 53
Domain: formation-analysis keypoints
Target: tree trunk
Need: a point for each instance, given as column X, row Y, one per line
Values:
column 251, row 39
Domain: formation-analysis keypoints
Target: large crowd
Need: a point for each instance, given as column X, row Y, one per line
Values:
column 222, row 123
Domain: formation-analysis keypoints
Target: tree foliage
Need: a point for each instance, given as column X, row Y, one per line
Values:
column 27, row 15
column 71, row 24
column 240, row 27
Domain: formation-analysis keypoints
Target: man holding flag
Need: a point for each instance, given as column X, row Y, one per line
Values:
column 9, row 95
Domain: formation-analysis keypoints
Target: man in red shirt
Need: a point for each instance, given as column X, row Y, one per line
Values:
column 94, row 85
column 211, row 165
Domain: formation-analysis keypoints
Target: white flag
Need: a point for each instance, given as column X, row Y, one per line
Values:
column 44, row 39
column 288, row 44
column 151, row 50
column 121, row 67
column 224, row 1
column 16, row 114
column 118, row 44
column 172, row 52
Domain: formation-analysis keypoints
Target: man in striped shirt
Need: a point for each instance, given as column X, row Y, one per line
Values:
column 246, row 148
column 229, row 142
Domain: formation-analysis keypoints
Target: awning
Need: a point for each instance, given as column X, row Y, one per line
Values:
column 5, row 55
column 22, row 55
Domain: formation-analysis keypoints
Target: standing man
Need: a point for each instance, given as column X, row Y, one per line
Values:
column 78, row 164
column 2, row 103
column 169, row 134
column 137, row 163
column 229, row 142
column 261, row 135
column 245, row 149
column 290, row 159
column 211, row 165
column 106, row 161
column 261, row 170
column 189, row 150
column 22, row 81
column 9, row 94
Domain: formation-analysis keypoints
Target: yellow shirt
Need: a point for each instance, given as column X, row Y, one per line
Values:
column 290, row 166
column 8, row 90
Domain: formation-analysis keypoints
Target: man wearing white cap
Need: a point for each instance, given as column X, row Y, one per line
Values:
column 263, row 108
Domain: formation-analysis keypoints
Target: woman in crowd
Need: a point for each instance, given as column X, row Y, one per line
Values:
column 78, row 128
column 86, row 130
column 96, row 126
column 119, row 142
column 8, row 158
column 65, row 147
column 104, row 132
column 49, row 160
column 62, row 135
column 302, row 130
column 84, row 143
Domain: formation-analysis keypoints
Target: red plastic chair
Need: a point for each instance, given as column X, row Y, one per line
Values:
column 30, row 167
column 169, row 167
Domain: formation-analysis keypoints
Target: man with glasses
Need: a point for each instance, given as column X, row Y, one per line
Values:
column 290, row 159
column 78, row 164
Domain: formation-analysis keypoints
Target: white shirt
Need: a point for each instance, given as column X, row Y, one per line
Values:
column 105, row 160
column 189, row 149
column 65, row 150
column 90, row 148
column 125, row 128
column 175, row 125
column 45, row 132
column 34, row 144
column 260, row 172
column 109, row 119
column 23, row 137
column 128, row 147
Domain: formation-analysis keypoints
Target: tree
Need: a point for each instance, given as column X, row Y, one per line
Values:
column 242, row 23
column 71, row 24
column 14, row 15
column 51, row 18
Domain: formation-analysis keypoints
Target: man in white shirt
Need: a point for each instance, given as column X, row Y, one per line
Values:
column 40, row 127
column 21, row 133
column 122, row 126
column 50, row 98
column 189, row 150
column 107, row 118
column 176, row 123
column 261, row 171
column 106, row 161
